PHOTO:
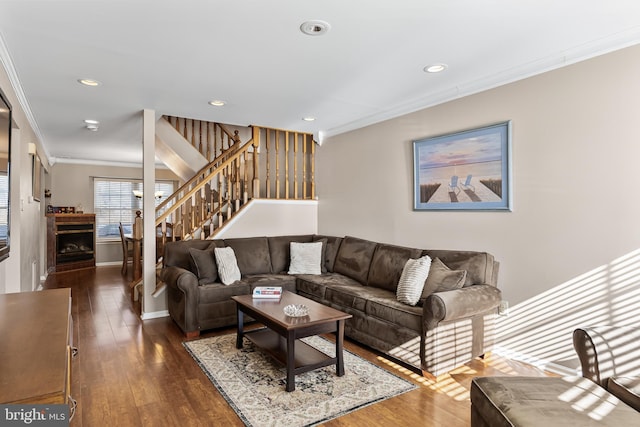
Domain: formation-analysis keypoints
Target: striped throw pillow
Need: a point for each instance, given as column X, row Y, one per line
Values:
column 306, row 258
column 412, row 280
column 227, row 265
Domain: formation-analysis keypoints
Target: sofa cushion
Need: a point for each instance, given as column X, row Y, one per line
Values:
column 316, row 286
column 227, row 265
column 279, row 250
column 252, row 254
column 176, row 254
column 441, row 278
column 387, row 264
column 354, row 258
column 479, row 265
column 285, row 281
column 330, row 251
column 386, row 307
column 203, row 265
column 412, row 280
column 626, row 389
column 348, row 295
column 306, row 258
column 217, row 292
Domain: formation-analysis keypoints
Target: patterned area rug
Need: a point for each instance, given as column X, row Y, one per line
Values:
column 253, row 383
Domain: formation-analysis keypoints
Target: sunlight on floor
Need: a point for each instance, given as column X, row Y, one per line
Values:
column 454, row 384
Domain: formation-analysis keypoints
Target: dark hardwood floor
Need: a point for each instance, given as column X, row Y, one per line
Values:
column 134, row 373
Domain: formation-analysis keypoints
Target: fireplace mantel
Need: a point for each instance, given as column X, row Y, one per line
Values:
column 71, row 241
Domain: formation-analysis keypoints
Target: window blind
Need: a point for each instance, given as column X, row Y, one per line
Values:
column 115, row 203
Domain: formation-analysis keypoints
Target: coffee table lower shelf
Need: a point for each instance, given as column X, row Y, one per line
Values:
column 307, row 358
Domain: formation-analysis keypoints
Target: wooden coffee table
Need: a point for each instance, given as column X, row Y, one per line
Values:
column 280, row 337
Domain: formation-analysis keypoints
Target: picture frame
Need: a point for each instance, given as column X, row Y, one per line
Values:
column 466, row 170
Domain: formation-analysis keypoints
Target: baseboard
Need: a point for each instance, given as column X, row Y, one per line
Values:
column 155, row 315
column 543, row 364
column 102, row 264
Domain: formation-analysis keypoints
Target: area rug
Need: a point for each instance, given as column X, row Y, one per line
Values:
column 253, row 383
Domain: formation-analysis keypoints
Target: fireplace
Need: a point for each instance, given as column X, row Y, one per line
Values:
column 70, row 241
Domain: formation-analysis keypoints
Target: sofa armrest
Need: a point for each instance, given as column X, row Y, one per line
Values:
column 608, row 351
column 181, row 279
column 459, row 304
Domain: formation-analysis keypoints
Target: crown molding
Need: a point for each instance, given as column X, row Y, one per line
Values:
column 94, row 162
column 7, row 63
column 602, row 46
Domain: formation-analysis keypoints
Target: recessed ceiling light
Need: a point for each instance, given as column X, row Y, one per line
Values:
column 315, row 27
column 217, row 103
column 308, row 119
column 435, row 68
column 89, row 82
column 91, row 124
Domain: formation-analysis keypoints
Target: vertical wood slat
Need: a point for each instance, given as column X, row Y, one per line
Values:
column 277, row 164
column 237, row 195
column 220, row 190
column 184, row 215
column 203, row 204
column 304, row 166
column 286, row 164
column 255, row 190
column 209, row 158
column 215, row 140
column 201, row 148
column 245, row 183
column 193, row 133
column 313, row 170
column 229, row 189
column 268, row 177
column 295, row 165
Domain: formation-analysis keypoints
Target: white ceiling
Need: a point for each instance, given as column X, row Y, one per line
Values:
column 174, row 57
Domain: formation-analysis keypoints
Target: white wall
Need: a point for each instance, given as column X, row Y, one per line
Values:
column 273, row 218
column 16, row 272
column 569, row 250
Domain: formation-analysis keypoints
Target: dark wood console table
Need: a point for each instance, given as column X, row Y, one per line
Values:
column 36, row 347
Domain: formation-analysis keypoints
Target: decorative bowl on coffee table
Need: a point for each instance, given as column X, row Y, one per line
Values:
column 296, row 310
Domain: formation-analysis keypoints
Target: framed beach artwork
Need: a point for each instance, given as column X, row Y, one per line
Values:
column 468, row 170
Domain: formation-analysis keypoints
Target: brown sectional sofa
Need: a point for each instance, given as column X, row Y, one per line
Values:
column 445, row 329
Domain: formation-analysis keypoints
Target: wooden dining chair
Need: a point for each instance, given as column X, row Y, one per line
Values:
column 127, row 251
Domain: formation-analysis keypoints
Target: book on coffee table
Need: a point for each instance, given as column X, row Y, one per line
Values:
column 267, row 292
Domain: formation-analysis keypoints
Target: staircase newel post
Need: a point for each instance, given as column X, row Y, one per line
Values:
column 255, row 190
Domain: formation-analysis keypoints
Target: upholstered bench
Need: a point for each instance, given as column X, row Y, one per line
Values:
column 546, row 401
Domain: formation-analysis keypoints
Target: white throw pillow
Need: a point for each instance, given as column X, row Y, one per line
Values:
column 306, row 258
column 227, row 265
column 412, row 280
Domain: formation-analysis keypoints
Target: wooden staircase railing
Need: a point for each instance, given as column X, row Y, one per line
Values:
column 209, row 138
column 272, row 164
